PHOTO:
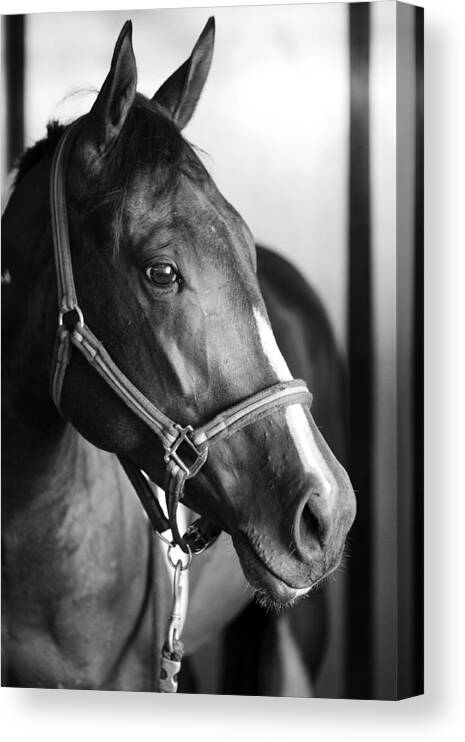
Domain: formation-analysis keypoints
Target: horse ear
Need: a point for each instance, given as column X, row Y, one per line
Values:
column 108, row 114
column 180, row 93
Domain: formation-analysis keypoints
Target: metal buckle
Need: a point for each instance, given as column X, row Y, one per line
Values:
column 171, row 453
column 197, row 540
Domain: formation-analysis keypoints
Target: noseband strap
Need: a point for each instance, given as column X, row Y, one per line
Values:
column 186, row 448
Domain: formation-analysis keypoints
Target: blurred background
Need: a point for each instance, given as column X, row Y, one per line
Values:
column 311, row 121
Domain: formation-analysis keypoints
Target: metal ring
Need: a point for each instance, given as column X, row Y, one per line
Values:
column 76, row 309
column 187, row 554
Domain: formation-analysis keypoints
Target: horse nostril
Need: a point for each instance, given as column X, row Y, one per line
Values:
column 310, row 524
column 310, row 531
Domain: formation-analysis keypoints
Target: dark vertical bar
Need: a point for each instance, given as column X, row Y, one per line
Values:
column 360, row 344
column 418, row 368
column 14, row 73
column 241, row 653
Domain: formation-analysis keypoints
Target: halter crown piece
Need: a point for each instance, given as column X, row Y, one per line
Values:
column 73, row 332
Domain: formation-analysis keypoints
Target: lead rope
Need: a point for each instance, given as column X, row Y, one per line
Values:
column 199, row 536
column 173, row 648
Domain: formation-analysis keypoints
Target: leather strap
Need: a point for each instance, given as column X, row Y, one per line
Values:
column 73, row 332
column 247, row 411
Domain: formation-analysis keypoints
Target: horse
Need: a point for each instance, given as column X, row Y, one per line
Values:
column 183, row 357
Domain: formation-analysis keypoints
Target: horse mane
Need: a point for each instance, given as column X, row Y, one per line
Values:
column 151, row 140
column 170, row 147
column 32, row 155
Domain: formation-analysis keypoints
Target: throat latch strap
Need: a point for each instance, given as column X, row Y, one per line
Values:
column 186, row 448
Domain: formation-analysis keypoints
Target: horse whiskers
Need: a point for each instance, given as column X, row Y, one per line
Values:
column 248, row 589
column 344, row 560
column 263, row 600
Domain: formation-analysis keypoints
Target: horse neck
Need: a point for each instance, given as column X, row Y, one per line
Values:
column 29, row 299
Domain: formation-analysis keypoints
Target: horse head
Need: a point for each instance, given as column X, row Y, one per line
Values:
column 165, row 271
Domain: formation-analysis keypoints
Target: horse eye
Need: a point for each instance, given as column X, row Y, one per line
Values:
column 162, row 274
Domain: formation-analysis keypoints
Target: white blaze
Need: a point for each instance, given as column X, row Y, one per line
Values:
column 307, row 448
column 270, row 348
column 297, row 421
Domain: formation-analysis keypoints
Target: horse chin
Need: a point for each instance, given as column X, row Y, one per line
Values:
column 269, row 590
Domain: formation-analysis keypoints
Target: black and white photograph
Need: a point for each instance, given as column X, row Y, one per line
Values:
column 212, row 348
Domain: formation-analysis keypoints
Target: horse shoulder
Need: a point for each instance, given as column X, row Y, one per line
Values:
column 84, row 543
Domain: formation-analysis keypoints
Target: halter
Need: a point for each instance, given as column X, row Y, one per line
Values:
column 177, row 440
